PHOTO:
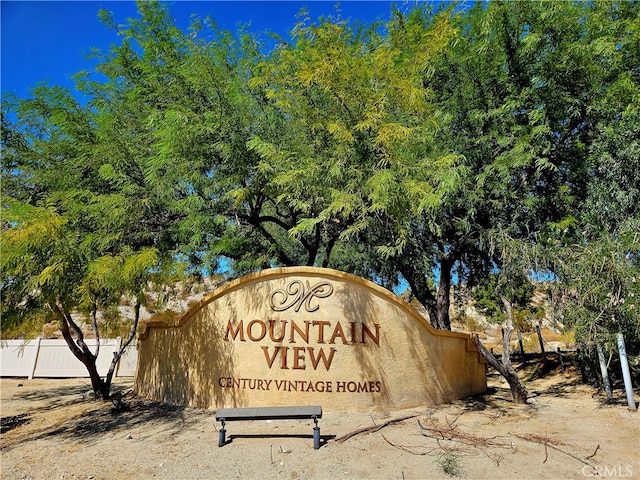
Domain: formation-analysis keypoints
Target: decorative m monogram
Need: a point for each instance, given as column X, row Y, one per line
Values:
column 296, row 295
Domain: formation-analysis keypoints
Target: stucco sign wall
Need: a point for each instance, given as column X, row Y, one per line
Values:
column 302, row 336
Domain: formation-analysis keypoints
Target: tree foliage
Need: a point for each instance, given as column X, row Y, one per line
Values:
column 597, row 256
column 431, row 148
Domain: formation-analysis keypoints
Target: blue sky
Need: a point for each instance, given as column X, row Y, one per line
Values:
column 49, row 40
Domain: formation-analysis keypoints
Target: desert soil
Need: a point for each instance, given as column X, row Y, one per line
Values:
column 50, row 430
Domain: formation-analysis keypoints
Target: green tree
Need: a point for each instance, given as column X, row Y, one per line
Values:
column 354, row 149
column 396, row 151
column 504, row 294
column 359, row 156
column 521, row 88
column 48, row 269
column 78, row 233
column 596, row 257
column 593, row 251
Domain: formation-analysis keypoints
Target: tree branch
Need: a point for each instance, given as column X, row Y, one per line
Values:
column 79, row 342
column 66, row 333
column 96, row 330
column 373, row 428
column 518, row 391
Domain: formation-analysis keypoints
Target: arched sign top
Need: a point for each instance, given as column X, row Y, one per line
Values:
column 305, row 335
column 324, row 273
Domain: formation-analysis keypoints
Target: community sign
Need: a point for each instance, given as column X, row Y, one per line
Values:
column 305, row 336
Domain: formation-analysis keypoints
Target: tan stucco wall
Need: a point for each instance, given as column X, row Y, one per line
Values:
column 400, row 362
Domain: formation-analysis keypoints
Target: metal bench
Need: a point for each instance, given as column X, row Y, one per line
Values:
column 270, row 413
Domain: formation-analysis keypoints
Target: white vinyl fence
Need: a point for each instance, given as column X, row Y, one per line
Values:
column 52, row 358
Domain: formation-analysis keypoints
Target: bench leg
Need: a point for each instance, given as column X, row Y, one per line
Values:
column 316, row 438
column 222, row 434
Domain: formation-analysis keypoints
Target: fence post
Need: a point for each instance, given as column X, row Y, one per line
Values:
column 35, row 360
column 560, row 358
column 626, row 374
column 603, row 371
column 544, row 355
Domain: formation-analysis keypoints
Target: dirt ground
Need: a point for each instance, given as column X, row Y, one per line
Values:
column 566, row 431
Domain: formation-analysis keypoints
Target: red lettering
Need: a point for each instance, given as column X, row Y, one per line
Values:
column 298, row 359
column 270, row 359
column 263, row 332
column 283, row 327
column 283, row 363
column 234, row 334
column 369, row 333
column 321, row 356
column 303, row 334
column 338, row 332
column 321, row 324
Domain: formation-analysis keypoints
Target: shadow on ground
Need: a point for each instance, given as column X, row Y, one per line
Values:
column 15, row 421
column 543, row 377
column 540, row 377
column 56, row 396
column 88, row 421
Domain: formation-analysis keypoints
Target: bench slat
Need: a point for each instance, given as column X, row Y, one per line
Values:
column 269, row 413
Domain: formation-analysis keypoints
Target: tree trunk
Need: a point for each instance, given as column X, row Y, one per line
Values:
column 437, row 305
column 100, row 387
column 518, row 391
column 444, row 295
column 420, row 290
column 81, row 351
column 117, row 355
column 508, row 330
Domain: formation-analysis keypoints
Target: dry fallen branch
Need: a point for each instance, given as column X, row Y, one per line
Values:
column 409, row 449
column 545, row 441
column 413, row 449
column 453, row 433
column 551, row 443
column 493, row 417
column 373, row 428
column 533, row 437
column 594, row 453
column 463, row 443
